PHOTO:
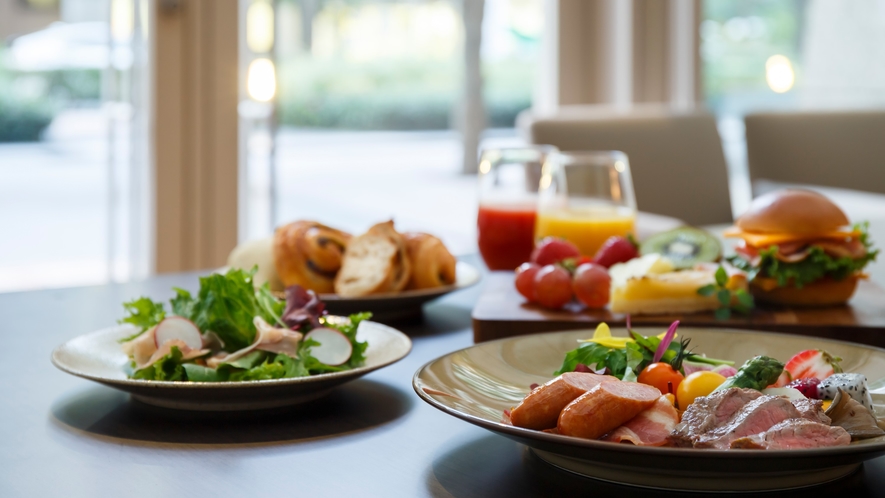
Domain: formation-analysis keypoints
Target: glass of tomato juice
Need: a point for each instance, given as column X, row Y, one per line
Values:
column 508, row 200
column 585, row 198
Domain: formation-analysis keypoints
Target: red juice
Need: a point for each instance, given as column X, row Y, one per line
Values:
column 506, row 234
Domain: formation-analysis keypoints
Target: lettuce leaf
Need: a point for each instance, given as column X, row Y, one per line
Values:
column 226, row 305
column 592, row 355
column 143, row 313
column 168, row 367
column 258, row 365
column 815, row 266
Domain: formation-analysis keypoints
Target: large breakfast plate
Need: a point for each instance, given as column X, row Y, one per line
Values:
column 478, row 383
column 97, row 356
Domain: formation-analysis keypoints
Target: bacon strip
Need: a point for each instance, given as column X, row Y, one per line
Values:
column 649, row 428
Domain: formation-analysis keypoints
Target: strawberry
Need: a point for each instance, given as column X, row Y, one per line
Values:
column 783, row 379
column 813, row 363
column 615, row 250
column 551, row 250
column 807, row 386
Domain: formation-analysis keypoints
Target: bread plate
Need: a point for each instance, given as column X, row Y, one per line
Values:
column 97, row 356
column 478, row 383
column 403, row 305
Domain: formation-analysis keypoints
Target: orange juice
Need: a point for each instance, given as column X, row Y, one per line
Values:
column 588, row 228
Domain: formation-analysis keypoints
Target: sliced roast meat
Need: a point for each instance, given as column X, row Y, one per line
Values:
column 812, row 409
column 708, row 413
column 793, row 434
column 756, row 416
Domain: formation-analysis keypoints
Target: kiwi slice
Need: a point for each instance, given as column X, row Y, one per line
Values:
column 684, row 246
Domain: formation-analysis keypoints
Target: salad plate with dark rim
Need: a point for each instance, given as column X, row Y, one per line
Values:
column 97, row 356
column 479, row 383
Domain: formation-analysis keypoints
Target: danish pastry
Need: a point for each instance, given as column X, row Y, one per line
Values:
column 432, row 264
column 309, row 254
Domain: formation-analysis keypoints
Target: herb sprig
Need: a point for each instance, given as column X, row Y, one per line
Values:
column 737, row 300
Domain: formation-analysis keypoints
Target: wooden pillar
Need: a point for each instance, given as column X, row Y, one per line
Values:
column 196, row 81
column 618, row 52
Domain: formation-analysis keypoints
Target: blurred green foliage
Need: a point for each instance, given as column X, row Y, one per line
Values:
column 393, row 95
column 738, row 37
column 29, row 101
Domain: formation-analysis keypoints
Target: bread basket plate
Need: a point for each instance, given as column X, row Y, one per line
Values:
column 396, row 306
column 97, row 356
column 478, row 383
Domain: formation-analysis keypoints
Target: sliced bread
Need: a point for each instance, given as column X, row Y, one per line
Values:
column 374, row 263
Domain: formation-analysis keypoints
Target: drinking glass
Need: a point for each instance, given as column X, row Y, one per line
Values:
column 508, row 199
column 585, row 198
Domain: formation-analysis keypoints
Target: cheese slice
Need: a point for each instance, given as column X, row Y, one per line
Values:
column 767, row 239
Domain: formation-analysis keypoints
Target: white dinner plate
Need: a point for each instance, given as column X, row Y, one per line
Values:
column 97, row 356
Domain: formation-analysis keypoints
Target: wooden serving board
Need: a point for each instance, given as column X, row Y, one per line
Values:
column 503, row 312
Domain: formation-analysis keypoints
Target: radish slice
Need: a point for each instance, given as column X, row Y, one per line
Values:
column 176, row 327
column 334, row 348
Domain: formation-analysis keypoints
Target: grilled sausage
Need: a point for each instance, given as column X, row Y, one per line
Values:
column 540, row 409
column 605, row 408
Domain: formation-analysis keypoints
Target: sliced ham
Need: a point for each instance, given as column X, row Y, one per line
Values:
column 793, row 252
column 649, row 428
column 186, row 353
column 142, row 347
column 853, row 248
column 268, row 338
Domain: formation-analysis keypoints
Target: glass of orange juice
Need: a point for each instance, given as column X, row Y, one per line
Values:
column 585, row 198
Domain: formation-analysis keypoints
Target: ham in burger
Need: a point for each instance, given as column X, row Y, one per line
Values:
column 799, row 249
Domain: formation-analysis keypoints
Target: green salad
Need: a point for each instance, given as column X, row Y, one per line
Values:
column 233, row 331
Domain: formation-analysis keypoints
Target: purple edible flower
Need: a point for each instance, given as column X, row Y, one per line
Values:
column 665, row 342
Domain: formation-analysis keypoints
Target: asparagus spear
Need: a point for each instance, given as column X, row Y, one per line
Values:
column 757, row 373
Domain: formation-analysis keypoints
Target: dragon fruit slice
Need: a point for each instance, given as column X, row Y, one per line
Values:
column 852, row 383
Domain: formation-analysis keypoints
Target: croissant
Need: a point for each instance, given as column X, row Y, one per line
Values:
column 375, row 263
column 309, row 254
column 432, row 264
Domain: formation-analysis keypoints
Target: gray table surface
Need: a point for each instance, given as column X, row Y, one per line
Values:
column 65, row 436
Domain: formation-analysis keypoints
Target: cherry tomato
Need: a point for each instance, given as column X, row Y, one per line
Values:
column 553, row 287
column 525, row 280
column 696, row 385
column 615, row 250
column 551, row 250
column 592, row 285
column 662, row 376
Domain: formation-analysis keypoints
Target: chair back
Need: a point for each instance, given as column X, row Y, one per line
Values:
column 677, row 162
column 830, row 149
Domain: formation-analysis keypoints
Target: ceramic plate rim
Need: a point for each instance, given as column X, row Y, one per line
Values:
column 558, row 439
column 243, row 384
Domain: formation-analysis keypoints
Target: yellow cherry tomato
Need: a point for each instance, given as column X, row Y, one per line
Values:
column 696, row 385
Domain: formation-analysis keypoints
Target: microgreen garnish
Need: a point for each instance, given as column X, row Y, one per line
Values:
column 738, row 300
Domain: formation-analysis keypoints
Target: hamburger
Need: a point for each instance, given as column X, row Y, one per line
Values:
column 799, row 249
